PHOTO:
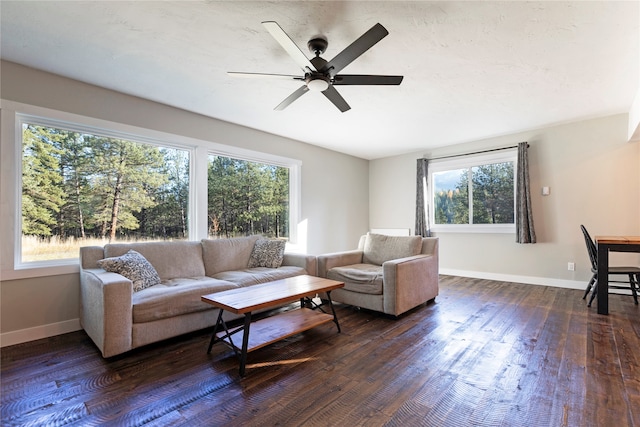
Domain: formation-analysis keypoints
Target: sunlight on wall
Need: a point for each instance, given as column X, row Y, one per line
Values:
column 301, row 243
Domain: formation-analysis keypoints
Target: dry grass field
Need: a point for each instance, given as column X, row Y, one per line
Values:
column 45, row 249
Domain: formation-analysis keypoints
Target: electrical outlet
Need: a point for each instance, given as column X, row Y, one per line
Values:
column 571, row 266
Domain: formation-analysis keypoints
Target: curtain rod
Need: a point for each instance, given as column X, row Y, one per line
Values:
column 476, row 152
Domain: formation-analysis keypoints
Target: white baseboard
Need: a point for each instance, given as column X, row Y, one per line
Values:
column 39, row 332
column 530, row 280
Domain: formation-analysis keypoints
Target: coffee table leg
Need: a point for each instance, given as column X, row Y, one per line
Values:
column 215, row 331
column 245, row 343
column 335, row 317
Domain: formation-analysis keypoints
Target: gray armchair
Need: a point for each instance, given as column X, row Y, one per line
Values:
column 389, row 274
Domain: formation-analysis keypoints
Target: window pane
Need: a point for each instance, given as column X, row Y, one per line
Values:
column 493, row 194
column 246, row 198
column 451, row 194
column 80, row 189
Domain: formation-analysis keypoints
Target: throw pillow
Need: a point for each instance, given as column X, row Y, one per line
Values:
column 134, row 267
column 267, row 253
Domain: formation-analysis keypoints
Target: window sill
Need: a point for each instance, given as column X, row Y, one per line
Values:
column 479, row 228
column 28, row 271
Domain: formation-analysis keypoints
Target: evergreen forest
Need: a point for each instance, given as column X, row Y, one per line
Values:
column 78, row 185
column 492, row 196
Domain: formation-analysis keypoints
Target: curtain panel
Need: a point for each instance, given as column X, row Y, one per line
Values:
column 524, row 215
column 422, row 227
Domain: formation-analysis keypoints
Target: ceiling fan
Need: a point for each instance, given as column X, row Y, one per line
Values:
column 321, row 75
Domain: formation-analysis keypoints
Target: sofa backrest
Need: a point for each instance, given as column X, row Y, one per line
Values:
column 174, row 259
column 227, row 254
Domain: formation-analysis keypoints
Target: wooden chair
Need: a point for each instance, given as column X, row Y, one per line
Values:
column 633, row 273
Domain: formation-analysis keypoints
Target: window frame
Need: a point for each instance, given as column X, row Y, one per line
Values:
column 13, row 115
column 294, row 184
column 469, row 161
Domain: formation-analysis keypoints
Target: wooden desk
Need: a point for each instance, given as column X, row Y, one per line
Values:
column 613, row 244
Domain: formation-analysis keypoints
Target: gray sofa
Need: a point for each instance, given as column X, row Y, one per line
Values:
column 118, row 319
column 389, row 274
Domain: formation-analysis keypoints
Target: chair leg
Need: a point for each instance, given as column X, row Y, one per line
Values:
column 594, row 292
column 586, row 291
column 633, row 289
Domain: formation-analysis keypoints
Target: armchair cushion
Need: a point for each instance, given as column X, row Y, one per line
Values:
column 380, row 248
column 362, row 278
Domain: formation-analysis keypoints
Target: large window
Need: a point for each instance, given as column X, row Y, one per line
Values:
column 475, row 192
column 246, row 197
column 71, row 181
column 79, row 188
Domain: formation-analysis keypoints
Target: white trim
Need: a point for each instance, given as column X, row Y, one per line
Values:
column 42, row 270
column 39, row 332
column 530, row 280
column 474, row 228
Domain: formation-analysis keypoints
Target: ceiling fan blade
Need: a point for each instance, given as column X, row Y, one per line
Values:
column 365, row 79
column 355, row 49
column 292, row 49
column 264, row 75
column 332, row 95
column 295, row 95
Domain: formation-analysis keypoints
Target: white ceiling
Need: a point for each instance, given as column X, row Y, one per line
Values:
column 472, row 70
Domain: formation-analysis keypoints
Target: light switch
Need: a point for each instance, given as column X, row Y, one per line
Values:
column 545, row 191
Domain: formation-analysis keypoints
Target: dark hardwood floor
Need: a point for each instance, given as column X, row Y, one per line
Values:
column 485, row 353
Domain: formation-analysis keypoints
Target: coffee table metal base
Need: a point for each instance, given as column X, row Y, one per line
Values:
column 270, row 329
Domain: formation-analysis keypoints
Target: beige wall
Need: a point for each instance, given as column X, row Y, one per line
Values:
column 33, row 302
column 594, row 176
column 334, row 205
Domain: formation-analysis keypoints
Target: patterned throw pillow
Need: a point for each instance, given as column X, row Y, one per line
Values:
column 134, row 267
column 267, row 253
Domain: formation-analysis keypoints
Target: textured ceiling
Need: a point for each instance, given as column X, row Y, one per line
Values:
column 472, row 70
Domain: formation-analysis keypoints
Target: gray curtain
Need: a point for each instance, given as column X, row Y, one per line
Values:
column 422, row 211
column 524, row 216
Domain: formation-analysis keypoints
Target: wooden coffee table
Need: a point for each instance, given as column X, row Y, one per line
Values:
column 274, row 328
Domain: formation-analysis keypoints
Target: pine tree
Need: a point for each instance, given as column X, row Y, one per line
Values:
column 42, row 193
column 125, row 174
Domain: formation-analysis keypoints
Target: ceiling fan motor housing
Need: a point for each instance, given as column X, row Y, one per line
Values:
column 318, row 45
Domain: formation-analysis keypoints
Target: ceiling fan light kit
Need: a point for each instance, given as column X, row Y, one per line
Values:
column 321, row 75
column 317, row 84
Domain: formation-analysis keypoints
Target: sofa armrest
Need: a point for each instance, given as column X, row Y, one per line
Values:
column 308, row 262
column 89, row 256
column 337, row 259
column 106, row 311
column 409, row 282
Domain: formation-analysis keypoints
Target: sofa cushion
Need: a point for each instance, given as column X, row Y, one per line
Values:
column 379, row 248
column 267, row 253
column 362, row 278
column 175, row 297
column 252, row 276
column 227, row 254
column 134, row 267
column 185, row 256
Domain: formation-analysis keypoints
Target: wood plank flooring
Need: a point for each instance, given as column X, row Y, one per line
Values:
column 486, row 353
